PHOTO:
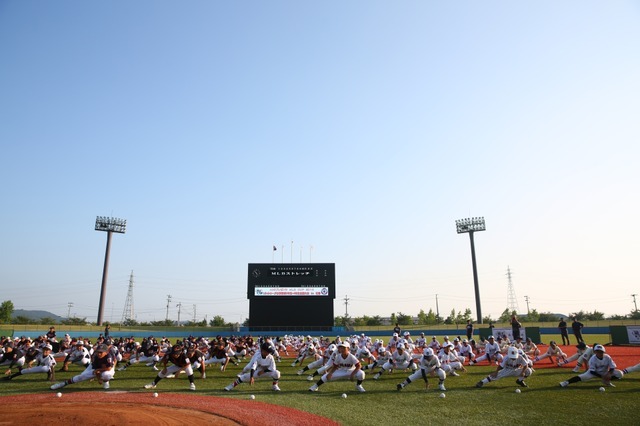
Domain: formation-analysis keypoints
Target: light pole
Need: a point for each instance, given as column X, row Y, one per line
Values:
column 470, row 226
column 108, row 225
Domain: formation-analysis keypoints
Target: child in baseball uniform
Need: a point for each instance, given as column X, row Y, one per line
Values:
column 513, row 365
column 46, row 364
column 491, row 352
column 343, row 366
column 552, row 351
column 601, row 365
column 179, row 362
column 401, row 359
column 101, row 368
column 262, row 365
column 581, row 349
column 429, row 364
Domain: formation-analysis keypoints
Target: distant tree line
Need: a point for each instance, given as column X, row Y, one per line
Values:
column 7, row 308
column 459, row 317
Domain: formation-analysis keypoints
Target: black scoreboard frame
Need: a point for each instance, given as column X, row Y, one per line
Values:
column 291, row 296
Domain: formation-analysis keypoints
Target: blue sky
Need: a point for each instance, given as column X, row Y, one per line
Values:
column 363, row 129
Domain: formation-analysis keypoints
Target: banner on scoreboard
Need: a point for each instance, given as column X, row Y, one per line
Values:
column 291, row 291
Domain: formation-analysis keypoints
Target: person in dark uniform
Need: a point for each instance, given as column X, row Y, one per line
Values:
column 397, row 329
column 562, row 326
column 180, row 362
column 12, row 356
column 576, row 326
column 469, row 330
column 515, row 326
column 51, row 338
column 101, row 368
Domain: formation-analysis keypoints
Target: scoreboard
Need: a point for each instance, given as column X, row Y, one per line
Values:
column 291, row 296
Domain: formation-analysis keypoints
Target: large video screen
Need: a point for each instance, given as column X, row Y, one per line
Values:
column 291, row 296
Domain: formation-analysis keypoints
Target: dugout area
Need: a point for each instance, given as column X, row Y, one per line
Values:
column 291, row 296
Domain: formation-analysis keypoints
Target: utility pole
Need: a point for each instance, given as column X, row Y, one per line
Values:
column 168, row 302
column 179, row 305
column 634, row 301
column 194, row 314
column 527, row 299
column 437, row 310
column 346, row 303
column 70, row 305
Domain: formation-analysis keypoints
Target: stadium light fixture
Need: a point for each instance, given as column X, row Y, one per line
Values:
column 471, row 225
column 108, row 225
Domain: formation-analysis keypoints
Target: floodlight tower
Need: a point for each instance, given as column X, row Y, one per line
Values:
column 108, row 225
column 470, row 226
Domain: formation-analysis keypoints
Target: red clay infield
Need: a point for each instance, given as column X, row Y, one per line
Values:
column 118, row 408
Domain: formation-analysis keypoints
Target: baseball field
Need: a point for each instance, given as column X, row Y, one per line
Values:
column 28, row 398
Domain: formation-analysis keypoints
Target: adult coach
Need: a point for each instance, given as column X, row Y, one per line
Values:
column 469, row 330
column 562, row 326
column 515, row 326
column 577, row 326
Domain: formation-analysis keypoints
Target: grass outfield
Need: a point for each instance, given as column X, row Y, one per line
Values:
column 544, row 402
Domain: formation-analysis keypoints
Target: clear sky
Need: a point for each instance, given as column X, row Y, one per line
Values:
column 363, row 129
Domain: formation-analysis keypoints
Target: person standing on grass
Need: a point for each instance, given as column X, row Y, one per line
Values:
column 515, row 326
column 469, row 329
column 562, row 326
column 577, row 326
column 397, row 330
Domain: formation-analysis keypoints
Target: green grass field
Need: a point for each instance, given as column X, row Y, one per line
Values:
column 544, row 402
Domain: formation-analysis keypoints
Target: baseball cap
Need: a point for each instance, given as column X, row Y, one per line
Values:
column 102, row 348
column 581, row 345
column 599, row 348
column 344, row 345
column 49, row 347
